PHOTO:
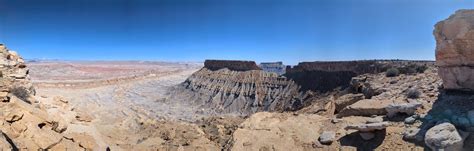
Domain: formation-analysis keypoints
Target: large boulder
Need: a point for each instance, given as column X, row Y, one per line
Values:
column 444, row 137
column 455, row 50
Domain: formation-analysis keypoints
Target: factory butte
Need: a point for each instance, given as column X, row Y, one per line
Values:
column 241, row 105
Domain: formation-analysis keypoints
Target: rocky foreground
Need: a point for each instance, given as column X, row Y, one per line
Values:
column 234, row 105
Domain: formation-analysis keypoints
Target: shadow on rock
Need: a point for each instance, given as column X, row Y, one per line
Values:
column 355, row 140
column 456, row 107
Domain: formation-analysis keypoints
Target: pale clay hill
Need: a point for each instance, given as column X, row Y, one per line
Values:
column 235, row 105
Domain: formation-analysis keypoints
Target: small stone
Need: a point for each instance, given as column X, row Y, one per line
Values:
column 327, row 137
column 410, row 120
column 335, row 120
column 416, row 116
column 412, row 134
column 60, row 99
column 367, row 135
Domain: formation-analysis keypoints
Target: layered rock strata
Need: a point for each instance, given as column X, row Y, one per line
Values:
column 455, row 50
column 315, row 76
column 239, row 92
column 231, row 65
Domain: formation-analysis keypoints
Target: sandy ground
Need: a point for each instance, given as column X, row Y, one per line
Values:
column 117, row 109
column 143, row 94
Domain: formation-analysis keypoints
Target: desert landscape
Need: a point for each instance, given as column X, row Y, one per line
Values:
column 240, row 105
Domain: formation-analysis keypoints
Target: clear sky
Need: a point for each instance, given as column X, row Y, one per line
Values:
column 194, row 30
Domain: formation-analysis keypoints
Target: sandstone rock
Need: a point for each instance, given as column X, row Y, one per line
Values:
column 84, row 140
column 59, row 125
column 455, row 50
column 361, row 85
column 286, row 132
column 444, row 137
column 347, row 100
column 66, row 144
column 4, row 97
column 83, row 117
column 4, row 144
column 46, row 140
column 366, row 107
column 327, row 137
column 407, row 108
column 23, row 126
column 18, row 76
column 369, row 127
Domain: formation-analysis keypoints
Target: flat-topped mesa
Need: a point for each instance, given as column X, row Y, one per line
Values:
column 238, row 92
column 234, row 65
column 455, row 50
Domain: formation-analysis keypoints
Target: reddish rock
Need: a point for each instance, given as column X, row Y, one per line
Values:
column 455, row 50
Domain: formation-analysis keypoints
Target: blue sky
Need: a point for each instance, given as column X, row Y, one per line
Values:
column 194, row 30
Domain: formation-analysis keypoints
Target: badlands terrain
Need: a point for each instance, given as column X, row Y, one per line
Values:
column 239, row 105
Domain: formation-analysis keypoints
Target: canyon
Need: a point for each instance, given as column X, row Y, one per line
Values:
column 239, row 105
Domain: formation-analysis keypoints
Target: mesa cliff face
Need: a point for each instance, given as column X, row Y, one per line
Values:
column 239, row 87
column 239, row 92
column 231, row 65
column 325, row 76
